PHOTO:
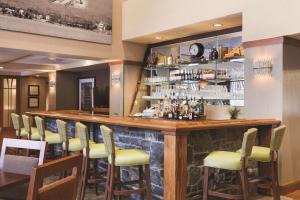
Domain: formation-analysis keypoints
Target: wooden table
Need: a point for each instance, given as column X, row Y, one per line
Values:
column 175, row 135
column 8, row 180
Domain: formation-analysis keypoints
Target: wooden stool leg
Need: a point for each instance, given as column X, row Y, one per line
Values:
column 205, row 183
column 118, row 177
column 244, row 180
column 107, row 182
column 148, row 182
column 95, row 176
column 275, row 185
column 141, row 180
column 111, row 182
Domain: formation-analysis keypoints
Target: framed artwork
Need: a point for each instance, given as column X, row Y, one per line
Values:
column 86, row 20
column 33, row 90
column 33, row 102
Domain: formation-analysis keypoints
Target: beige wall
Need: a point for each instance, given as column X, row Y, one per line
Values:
column 269, row 18
column 24, row 82
column 116, row 93
column 51, row 95
column 118, row 49
column 277, row 97
column 263, row 96
column 142, row 17
column 261, row 19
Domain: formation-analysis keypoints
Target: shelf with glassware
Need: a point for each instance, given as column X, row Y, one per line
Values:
column 203, row 72
column 197, row 81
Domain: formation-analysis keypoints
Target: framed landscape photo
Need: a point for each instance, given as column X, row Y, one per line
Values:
column 85, row 20
column 33, row 90
column 33, row 102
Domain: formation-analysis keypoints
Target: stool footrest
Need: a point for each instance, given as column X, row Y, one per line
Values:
column 128, row 182
column 129, row 192
column 224, row 195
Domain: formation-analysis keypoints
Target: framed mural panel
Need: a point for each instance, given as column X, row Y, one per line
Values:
column 33, row 90
column 33, row 102
column 85, row 20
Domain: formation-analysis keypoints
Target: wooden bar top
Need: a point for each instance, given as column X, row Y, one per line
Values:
column 154, row 124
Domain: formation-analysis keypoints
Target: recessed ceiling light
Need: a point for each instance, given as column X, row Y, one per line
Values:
column 1, row 67
column 158, row 37
column 37, row 75
column 217, row 25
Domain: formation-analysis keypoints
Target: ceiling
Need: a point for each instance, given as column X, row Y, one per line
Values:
column 192, row 29
column 24, row 63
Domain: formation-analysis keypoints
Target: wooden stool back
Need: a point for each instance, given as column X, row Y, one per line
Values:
column 40, row 126
column 16, row 124
column 66, row 188
column 27, row 125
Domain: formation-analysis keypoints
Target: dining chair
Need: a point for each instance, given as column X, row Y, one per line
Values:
column 17, row 163
column 65, row 188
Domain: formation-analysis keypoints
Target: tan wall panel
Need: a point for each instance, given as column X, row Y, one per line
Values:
column 24, row 82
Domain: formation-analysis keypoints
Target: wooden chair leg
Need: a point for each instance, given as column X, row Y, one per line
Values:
column 275, row 184
column 111, row 182
column 148, row 182
column 107, row 182
column 244, row 181
column 205, row 183
column 84, row 177
column 95, row 175
column 141, row 180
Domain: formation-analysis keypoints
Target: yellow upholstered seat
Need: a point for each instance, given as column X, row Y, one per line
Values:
column 97, row 151
column 130, row 157
column 23, row 132
column 52, row 138
column 224, row 160
column 261, row 154
column 75, row 144
column 34, row 133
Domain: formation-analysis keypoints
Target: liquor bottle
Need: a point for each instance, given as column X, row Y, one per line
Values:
column 194, row 75
column 190, row 75
column 201, row 110
column 198, row 75
column 170, row 114
column 185, row 75
column 181, row 75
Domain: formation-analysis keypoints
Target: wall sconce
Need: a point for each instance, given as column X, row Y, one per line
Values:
column 52, row 84
column 263, row 67
column 115, row 78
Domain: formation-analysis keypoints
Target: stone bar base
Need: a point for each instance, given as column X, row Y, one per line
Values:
column 200, row 144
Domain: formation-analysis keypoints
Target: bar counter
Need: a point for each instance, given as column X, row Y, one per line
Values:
column 177, row 148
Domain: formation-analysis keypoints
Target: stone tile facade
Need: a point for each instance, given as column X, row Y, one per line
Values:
column 200, row 144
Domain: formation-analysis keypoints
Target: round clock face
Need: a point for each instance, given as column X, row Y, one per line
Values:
column 196, row 49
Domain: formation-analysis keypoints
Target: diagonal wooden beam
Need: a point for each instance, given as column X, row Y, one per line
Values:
column 15, row 59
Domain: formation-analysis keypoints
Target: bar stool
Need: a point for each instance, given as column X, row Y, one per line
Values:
column 69, row 144
column 233, row 161
column 91, row 152
column 20, row 132
column 46, row 135
column 32, row 132
column 125, row 158
column 270, row 155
